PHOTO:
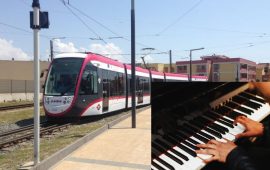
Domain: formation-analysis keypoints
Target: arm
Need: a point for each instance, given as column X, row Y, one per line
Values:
column 238, row 159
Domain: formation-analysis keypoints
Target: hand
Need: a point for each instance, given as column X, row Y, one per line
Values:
column 262, row 88
column 219, row 150
column 253, row 128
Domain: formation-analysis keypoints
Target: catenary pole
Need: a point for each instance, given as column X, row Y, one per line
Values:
column 133, row 87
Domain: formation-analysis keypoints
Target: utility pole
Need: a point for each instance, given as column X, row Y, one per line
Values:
column 51, row 48
column 170, row 54
column 190, row 62
column 133, row 55
column 36, row 28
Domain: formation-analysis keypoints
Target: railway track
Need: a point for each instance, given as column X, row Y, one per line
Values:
column 25, row 133
column 4, row 108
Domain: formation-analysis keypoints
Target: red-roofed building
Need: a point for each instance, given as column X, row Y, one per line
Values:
column 220, row 68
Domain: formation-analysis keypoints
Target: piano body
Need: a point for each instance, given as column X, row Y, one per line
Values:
column 186, row 114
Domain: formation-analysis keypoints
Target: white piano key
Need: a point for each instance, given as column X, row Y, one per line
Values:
column 232, row 131
column 202, row 156
column 160, row 164
column 170, row 161
column 220, row 140
column 193, row 162
column 228, row 136
column 154, row 168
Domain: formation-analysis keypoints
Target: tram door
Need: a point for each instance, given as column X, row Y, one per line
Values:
column 139, row 90
column 105, row 91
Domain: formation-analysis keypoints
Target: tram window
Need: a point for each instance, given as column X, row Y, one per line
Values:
column 146, row 85
column 89, row 83
column 121, row 83
column 113, row 83
column 157, row 80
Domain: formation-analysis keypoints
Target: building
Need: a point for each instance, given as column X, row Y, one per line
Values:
column 263, row 72
column 19, row 70
column 220, row 68
column 161, row 67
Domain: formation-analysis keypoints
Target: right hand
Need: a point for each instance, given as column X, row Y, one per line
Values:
column 253, row 128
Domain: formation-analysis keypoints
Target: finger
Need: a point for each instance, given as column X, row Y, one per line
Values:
column 245, row 134
column 240, row 120
column 212, row 141
column 206, row 151
column 201, row 146
column 207, row 146
column 210, row 159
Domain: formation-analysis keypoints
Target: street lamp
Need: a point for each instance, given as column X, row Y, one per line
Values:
column 51, row 45
column 190, row 59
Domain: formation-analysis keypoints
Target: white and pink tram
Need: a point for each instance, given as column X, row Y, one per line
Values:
column 85, row 84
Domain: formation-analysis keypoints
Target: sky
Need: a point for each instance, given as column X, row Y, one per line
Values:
column 226, row 27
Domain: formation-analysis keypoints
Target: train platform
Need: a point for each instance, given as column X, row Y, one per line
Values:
column 118, row 148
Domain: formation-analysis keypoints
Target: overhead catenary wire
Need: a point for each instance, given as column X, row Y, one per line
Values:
column 179, row 18
column 22, row 29
column 106, row 27
column 98, row 37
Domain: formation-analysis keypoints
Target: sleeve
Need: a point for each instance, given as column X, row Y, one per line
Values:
column 238, row 159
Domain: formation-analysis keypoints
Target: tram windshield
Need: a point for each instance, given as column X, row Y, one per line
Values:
column 62, row 77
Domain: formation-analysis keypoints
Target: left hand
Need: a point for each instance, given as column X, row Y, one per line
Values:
column 219, row 150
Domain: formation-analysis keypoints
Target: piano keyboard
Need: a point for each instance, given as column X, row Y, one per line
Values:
column 176, row 150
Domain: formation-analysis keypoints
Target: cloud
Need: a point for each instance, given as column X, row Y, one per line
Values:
column 8, row 51
column 64, row 47
column 109, row 50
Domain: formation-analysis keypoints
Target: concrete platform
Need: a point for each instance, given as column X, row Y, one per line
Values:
column 120, row 147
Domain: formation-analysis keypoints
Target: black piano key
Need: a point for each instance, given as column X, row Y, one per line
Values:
column 242, row 100
column 250, row 96
column 187, row 150
column 212, row 115
column 160, row 149
column 199, row 131
column 240, row 108
column 213, row 132
column 223, row 110
column 190, row 145
column 214, row 125
column 192, row 133
column 153, row 163
column 164, row 163
column 171, row 140
column 221, row 127
column 170, row 147
column 227, row 120
column 235, row 114
column 192, row 141
column 218, row 118
column 226, row 123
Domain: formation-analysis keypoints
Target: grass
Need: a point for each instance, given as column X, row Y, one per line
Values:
column 22, row 153
column 14, row 103
column 9, row 117
column 48, row 145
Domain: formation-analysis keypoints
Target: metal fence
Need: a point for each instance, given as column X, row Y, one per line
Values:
column 18, row 86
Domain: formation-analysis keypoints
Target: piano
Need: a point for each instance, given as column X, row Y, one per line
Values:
column 186, row 114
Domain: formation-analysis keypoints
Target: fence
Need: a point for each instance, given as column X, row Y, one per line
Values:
column 14, row 90
column 18, row 86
